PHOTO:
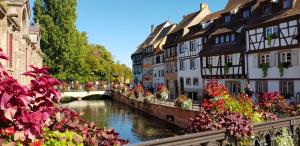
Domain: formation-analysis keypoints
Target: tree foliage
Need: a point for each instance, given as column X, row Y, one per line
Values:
column 67, row 51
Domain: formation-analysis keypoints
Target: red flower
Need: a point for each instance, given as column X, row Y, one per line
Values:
column 37, row 143
column 8, row 131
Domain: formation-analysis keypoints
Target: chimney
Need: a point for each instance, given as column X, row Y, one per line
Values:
column 203, row 6
column 152, row 28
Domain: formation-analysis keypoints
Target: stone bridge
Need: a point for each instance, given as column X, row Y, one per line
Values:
column 81, row 94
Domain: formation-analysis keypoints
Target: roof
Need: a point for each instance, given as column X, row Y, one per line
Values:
column 185, row 21
column 259, row 19
column 239, row 4
column 153, row 35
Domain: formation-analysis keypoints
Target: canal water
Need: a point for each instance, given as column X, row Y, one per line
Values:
column 131, row 124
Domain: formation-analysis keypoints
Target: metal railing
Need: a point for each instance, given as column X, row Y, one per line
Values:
column 264, row 135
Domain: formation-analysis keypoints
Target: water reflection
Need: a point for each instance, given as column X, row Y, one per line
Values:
column 130, row 123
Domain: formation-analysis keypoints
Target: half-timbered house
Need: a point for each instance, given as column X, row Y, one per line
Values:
column 189, row 73
column 158, row 56
column 273, row 47
column 172, row 45
column 223, row 53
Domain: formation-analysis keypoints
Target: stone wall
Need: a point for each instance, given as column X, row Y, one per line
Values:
column 172, row 115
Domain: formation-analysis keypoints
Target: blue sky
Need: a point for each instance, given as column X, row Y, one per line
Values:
column 121, row 25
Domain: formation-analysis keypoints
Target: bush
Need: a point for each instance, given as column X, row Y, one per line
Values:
column 26, row 110
column 284, row 139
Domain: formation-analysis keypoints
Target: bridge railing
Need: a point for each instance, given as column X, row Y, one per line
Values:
column 81, row 88
column 264, row 135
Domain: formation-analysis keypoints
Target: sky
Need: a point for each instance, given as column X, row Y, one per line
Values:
column 121, row 25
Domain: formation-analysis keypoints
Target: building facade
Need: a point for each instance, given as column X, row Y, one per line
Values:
column 172, row 49
column 254, row 42
column 273, row 47
column 19, row 39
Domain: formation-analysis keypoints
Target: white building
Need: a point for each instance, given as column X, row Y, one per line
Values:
column 273, row 48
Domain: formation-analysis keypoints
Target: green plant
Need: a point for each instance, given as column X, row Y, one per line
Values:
column 281, row 69
column 269, row 38
column 226, row 67
column 210, row 66
column 265, row 68
column 56, row 138
column 284, row 139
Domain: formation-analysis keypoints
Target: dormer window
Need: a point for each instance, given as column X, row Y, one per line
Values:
column 267, row 9
column 246, row 13
column 287, row 4
column 227, row 18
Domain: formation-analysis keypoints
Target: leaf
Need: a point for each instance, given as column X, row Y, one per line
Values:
column 59, row 116
column 4, row 100
column 19, row 135
column 10, row 113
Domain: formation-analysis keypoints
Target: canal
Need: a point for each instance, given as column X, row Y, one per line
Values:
column 130, row 123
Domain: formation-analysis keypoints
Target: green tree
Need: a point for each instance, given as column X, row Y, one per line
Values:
column 61, row 42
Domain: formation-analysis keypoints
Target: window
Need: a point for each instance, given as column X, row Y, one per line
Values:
column 232, row 37
column 217, row 40
column 227, row 18
column 227, row 38
column 157, row 59
column 286, row 57
column 272, row 31
column 192, row 45
column 222, row 39
column 261, row 87
column 195, row 81
column 181, row 65
column 188, row 81
column 264, row 59
column 162, row 73
column 192, row 64
column 246, row 13
column 210, row 60
column 229, row 58
column 233, row 86
column 287, row 4
column 181, row 48
column 268, row 9
column 286, row 88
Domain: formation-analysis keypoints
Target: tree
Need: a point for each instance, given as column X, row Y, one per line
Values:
column 61, row 42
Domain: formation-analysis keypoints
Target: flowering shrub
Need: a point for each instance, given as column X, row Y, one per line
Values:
column 235, row 114
column 274, row 103
column 162, row 93
column 284, row 139
column 183, row 102
column 26, row 110
column 138, row 91
column 215, row 89
column 148, row 97
column 101, row 85
column 64, row 86
column 89, row 86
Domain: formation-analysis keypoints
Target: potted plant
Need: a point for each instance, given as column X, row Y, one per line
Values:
column 210, row 66
column 162, row 93
column 148, row 97
column 265, row 67
column 183, row 102
column 281, row 69
column 138, row 91
column 226, row 67
column 89, row 86
column 101, row 85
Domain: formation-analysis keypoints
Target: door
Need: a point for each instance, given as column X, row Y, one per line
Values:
column 181, row 86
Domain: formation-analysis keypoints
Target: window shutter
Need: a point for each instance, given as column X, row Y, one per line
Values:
column 273, row 59
column 255, row 60
column 294, row 57
column 204, row 62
